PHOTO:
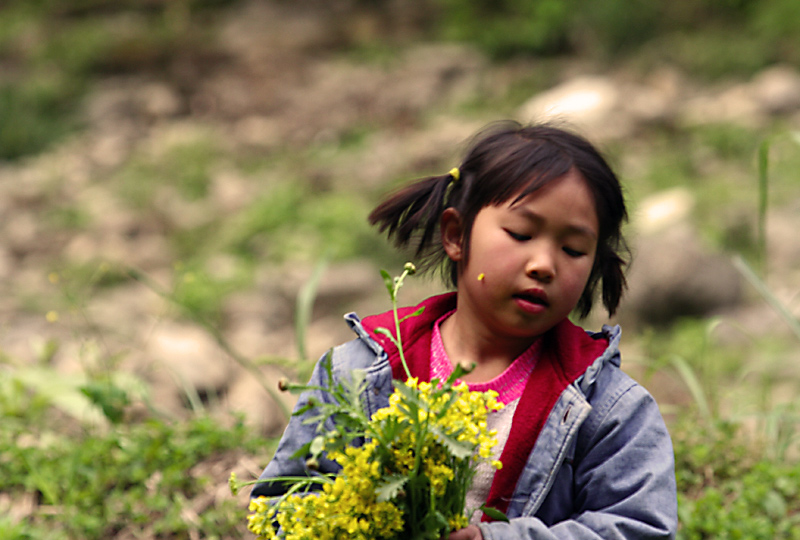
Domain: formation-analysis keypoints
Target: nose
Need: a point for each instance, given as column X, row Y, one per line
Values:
column 541, row 264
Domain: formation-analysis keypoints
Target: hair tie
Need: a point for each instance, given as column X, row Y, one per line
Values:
column 455, row 173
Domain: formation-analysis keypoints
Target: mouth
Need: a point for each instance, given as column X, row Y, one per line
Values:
column 535, row 297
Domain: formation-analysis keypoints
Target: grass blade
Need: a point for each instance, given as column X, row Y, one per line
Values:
column 693, row 384
column 748, row 273
column 305, row 304
column 763, row 201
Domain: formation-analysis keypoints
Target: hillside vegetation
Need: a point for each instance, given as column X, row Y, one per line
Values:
column 184, row 187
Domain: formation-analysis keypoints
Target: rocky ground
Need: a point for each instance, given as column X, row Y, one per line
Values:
column 271, row 84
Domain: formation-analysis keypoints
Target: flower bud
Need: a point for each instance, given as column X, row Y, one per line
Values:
column 410, row 268
column 233, row 484
column 283, row 384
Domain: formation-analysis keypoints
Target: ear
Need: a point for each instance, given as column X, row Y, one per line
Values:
column 452, row 237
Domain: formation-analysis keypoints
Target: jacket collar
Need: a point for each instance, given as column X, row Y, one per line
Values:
column 572, row 348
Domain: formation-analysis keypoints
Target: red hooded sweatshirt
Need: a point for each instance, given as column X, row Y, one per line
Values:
column 567, row 351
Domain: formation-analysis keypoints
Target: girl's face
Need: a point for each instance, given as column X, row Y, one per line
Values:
column 529, row 262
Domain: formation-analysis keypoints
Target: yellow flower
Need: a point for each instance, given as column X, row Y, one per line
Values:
column 348, row 506
column 458, row 522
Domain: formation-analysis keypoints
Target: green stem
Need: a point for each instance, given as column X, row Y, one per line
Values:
column 763, row 201
column 767, row 295
column 397, row 284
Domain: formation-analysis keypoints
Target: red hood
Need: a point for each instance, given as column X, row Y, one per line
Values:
column 566, row 352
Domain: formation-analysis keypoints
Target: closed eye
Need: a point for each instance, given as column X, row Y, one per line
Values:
column 518, row 237
column 573, row 252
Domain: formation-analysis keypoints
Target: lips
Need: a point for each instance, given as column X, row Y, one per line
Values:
column 532, row 300
column 535, row 296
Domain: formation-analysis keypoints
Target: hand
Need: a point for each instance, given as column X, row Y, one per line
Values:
column 470, row 533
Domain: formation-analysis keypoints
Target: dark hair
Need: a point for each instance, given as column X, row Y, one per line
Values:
column 505, row 161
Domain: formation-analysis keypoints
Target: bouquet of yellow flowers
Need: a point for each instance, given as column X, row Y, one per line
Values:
column 409, row 478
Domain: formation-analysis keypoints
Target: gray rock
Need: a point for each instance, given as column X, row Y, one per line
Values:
column 259, row 407
column 777, row 89
column 602, row 107
column 190, row 358
column 735, row 104
column 584, row 102
column 674, row 275
column 774, row 91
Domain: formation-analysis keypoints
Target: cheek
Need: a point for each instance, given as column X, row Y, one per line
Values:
column 488, row 250
column 577, row 280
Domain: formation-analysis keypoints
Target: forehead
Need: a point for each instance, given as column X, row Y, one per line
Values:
column 571, row 187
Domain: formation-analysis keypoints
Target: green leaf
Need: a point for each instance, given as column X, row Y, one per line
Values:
column 316, row 419
column 434, row 524
column 459, row 449
column 775, row 505
column 111, row 399
column 763, row 197
column 305, row 303
column 494, row 513
column 458, row 372
column 303, row 451
column 387, row 280
column 317, row 445
column 390, row 487
column 304, row 409
column 410, row 396
column 386, row 332
column 415, row 314
column 63, row 391
column 451, row 398
column 693, row 384
column 357, row 383
column 767, row 295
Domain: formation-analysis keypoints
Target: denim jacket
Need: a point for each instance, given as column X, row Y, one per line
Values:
column 601, row 468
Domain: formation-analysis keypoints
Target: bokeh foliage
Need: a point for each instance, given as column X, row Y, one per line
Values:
column 91, row 482
column 50, row 50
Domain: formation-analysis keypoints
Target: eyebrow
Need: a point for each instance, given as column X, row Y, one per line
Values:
column 572, row 229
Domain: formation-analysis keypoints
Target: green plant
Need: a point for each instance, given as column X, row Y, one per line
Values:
column 139, row 477
column 689, row 349
column 409, row 475
column 508, row 27
column 293, row 221
column 184, row 167
column 53, row 52
column 762, row 210
column 729, row 489
column 737, row 474
column 35, row 113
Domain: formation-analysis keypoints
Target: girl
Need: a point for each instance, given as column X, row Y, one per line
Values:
column 526, row 230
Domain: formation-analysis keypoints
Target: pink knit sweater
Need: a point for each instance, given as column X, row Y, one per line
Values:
column 509, row 384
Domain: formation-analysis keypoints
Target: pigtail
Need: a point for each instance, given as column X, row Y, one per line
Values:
column 610, row 270
column 614, row 282
column 410, row 217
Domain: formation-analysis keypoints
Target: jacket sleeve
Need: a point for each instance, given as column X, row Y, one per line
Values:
column 624, row 478
column 296, row 434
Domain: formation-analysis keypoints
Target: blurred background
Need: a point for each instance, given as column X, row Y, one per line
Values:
column 184, row 187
